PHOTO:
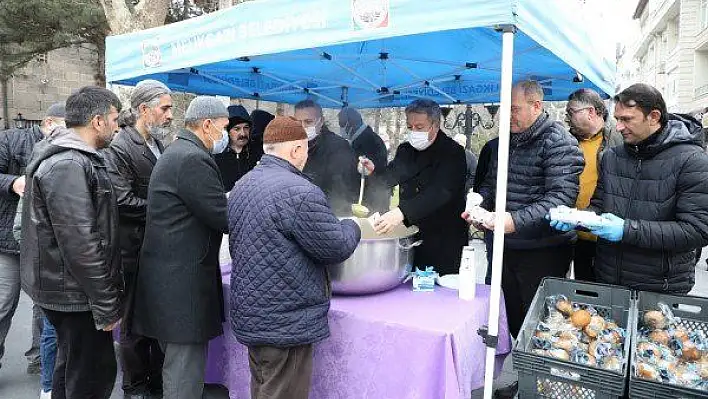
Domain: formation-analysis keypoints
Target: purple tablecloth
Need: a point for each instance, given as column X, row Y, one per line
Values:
column 397, row 344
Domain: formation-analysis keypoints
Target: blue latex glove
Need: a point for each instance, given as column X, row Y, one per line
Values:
column 612, row 228
column 561, row 226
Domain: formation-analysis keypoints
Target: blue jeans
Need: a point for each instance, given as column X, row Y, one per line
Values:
column 47, row 354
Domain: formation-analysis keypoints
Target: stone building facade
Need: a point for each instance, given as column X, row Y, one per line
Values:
column 48, row 79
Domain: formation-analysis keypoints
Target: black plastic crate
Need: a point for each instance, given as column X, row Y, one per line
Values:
column 545, row 377
column 693, row 312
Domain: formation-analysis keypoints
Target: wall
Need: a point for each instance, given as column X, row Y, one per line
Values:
column 47, row 80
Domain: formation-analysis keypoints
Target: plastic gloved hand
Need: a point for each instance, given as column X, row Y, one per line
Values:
column 558, row 225
column 561, row 226
column 611, row 229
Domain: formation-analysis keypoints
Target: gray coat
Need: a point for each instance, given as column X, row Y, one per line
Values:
column 178, row 296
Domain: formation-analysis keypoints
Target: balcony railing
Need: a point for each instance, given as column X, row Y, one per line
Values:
column 701, row 91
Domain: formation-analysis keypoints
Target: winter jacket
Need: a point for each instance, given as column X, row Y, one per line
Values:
column 660, row 188
column 544, row 165
column 178, row 291
column 70, row 257
column 233, row 166
column 282, row 237
column 331, row 165
column 471, row 161
column 15, row 151
column 489, row 149
column 432, row 197
column 259, row 119
column 377, row 194
column 130, row 162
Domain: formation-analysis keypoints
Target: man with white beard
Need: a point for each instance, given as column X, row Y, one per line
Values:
column 131, row 158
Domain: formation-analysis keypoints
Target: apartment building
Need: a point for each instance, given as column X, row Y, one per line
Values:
column 671, row 53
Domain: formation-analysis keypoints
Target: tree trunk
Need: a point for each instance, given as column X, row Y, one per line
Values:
column 280, row 109
column 100, row 76
column 397, row 134
column 5, row 101
column 146, row 14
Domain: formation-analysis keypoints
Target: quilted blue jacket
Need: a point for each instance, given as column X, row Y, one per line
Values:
column 282, row 236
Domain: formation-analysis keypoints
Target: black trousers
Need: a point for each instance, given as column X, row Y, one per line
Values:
column 280, row 373
column 584, row 260
column 522, row 273
column 86, row 365
column 142, row 357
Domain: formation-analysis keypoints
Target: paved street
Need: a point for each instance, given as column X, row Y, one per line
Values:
column 16, row 384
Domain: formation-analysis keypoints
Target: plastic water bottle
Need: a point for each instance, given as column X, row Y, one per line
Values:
column 467, row 278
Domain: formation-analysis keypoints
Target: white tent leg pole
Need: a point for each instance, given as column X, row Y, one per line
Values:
column 502, row 171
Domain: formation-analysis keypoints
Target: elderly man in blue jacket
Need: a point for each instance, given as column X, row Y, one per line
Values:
column 282, row 237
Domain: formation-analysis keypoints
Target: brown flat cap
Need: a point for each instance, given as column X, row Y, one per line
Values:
column 283, row 129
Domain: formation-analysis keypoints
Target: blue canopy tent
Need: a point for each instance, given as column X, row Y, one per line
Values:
column 364, row 53
column 377, row 53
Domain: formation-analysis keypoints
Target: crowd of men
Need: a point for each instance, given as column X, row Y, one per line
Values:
column 116, row 228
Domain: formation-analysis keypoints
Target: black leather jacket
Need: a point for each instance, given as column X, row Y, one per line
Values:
column 130, row 163
column 70, row 259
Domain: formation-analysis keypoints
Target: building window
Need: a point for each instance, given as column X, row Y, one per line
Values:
column 704, row 14
column 41, row 57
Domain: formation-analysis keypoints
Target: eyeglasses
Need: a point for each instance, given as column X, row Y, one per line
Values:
column 570, row 112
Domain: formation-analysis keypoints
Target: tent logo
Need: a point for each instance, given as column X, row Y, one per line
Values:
column 152, row 57
column 370, row 14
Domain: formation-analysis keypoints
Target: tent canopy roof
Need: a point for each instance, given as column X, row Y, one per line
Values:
column 367, row 53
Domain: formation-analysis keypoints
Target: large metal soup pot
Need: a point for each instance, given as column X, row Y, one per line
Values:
column 378, row 264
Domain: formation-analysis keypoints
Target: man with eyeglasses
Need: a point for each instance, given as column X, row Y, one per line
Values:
column 331, row 162
column 652, row 195
column 586, row 115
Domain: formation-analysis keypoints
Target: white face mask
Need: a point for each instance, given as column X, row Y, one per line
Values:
column 220, row 145
column 419, row 140
column 311, row 132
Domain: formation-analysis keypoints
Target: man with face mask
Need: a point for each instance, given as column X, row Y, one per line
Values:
column 366, row 143
column 652, row 195
column 242, row 154
column 178, row 293
column 131, row 158
column 279, row 288
column 331, row 161
column 430, row 169
column 16, row 147
column 69, row 252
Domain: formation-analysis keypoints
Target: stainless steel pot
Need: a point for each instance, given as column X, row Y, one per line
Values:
column 378, row 264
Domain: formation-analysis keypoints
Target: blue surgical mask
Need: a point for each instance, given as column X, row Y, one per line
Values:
column 220, row 146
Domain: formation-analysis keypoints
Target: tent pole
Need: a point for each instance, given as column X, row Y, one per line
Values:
column 502, row 171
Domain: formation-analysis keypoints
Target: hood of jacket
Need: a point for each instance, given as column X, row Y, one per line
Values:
column 61, row 139
column 680, row 129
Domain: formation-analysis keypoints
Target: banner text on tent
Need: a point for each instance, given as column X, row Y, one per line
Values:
column 250, row 30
